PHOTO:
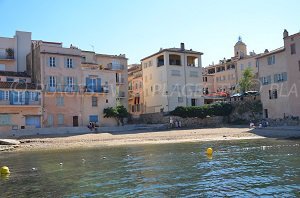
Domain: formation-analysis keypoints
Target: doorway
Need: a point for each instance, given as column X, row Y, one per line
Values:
column 75, row 121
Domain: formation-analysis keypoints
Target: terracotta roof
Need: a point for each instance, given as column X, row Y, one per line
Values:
column 15, row 74
column 17, row 85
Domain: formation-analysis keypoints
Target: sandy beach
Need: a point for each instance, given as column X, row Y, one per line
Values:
column 69, row 141
column 136, row 137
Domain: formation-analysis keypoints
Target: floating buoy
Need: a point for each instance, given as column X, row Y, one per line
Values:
column 209, row 151
column 61, row 163
column 33, row 169
column 5, row 170
column 103, row 157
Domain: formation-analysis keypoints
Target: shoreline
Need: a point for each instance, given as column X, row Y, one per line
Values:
column 92, row 140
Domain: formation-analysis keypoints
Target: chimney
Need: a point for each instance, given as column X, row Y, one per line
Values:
column 285, row 33
column 182, row 46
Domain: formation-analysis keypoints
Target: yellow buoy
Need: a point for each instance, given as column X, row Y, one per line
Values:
column 4, row 170
column 209, row 151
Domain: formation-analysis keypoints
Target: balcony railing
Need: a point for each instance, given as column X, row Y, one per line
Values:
column 62, row 88
column 115, row 66
column 102, row 89
column 6, row 57
column 21, row 102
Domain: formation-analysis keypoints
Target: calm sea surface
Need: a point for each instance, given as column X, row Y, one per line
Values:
column 248, row 168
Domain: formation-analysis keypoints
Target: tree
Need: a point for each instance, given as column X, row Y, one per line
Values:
column 119, row 113
column 246, row 81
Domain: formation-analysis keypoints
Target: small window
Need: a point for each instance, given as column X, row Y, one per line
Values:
column 52, row 62
column 106, row 101
column 6, row 95
column 10, row 79
column 293, row 48
column 271, row 60
column 60, row 119
column 299, row 64
column 180, row 99
column 59, row 101
column 69, row 63
column 94, row 101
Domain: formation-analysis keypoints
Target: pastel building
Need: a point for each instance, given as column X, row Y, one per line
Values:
column 135, row 90
column 172, row 77
column 77, row 85
column 20, row 99
column 279, row 73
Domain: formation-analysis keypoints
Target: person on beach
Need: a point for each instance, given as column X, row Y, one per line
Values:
column 171, row 122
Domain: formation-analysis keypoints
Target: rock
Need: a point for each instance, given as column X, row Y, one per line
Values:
column 9, row 142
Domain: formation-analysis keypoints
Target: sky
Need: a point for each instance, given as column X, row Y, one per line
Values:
column 139, row 28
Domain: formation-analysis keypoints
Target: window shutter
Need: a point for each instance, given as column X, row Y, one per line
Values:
column 26, row 98
column 98, row 85
column 36, row 96
column 284, row 75
column 58, row 83
column 48, row 61
column 269, row 79
column 11, row 99
column 275, row 78
column 270, row 94
column 88, row 84
column 76, row 87
column 1, row 95
column 65, row 62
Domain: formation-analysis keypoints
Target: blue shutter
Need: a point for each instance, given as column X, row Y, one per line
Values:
column 65, row 62
column 88, row 84
column 1, row 95
column 269, row 80
column 26, row 97
column 11, row 99
column 98, row 85
column 36, row 96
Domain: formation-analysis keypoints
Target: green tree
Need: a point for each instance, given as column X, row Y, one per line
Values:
column 246, row 81
column 119, row 113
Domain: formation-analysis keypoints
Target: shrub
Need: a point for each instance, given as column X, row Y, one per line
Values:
column 216, row 109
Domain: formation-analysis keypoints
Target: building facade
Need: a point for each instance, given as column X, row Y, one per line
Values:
column 20, row 99
column 172, row 77
column 135, row 90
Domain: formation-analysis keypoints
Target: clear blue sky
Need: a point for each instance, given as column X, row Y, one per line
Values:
column 139, row 28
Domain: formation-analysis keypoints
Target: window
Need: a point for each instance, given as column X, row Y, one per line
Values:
column 150, row 63
column 10, row 79
column 2, row 67
column 271, row 60
column 69, row 63
column 257, row 63
column 266, row 113
column 145, row 65
column 93, row 118
column 59, row 101
column 52, row 81
column 34, row 96
column 6, row 95
column 50, row 120
column 132, row 108
column 52, row 62
column 293, row 48
column 22, row 80
column 106, row 101
column 70, row 81
column 280, row 77
column 273, row 94
column 94, row 101
column 180, row 99
column 60, row 119
column 193, row 102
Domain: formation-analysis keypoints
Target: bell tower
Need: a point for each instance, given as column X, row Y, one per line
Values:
column 240, row 49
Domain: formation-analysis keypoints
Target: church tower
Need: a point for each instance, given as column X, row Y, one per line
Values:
column 240, row 49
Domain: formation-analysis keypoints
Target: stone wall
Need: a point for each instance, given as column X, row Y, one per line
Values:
column 160, row 118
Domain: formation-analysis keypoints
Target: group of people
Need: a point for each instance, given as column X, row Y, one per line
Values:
column 261, row 124
column 93, row 126
column 176, row 124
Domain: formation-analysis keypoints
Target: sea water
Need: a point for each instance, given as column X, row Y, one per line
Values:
column 247, row 168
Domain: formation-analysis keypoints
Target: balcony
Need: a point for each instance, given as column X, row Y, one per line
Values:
column 8, row 55
column 102, row 89
column 112, row 66
column 62, row 88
